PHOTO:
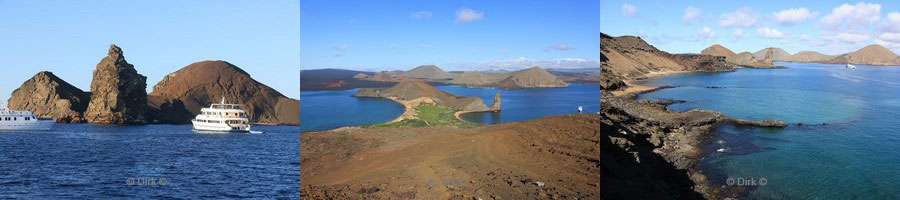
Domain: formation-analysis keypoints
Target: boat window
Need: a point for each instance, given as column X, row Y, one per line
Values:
column 26, row 119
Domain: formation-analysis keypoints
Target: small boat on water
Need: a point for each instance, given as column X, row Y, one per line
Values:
column 850, row 66
column 22, row 120
column 579, row 109
column 222, row 117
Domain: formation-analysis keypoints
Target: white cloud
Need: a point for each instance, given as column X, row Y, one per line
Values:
column 892, row 23
column 893, row 37
column 769, row 33
column 845, row 37
column 561, row 47
column 853, row 16
column 691, row 15
column 466, row 15
column 706, row 34
column 743, row 17
column 339, row 49
column 738, row 33
column 420, row 15
column 425, row 46
column 794, row 16
column 629, row 10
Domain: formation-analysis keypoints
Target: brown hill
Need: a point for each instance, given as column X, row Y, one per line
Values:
column 870, row 55
column 477, row 78
column 202, row 83
column 778, row 54
column 48, row 96
column 717, row 50
column 810, row 57
column 533, row 77
column 428, row 72
column 413, row 89
column 631, row 57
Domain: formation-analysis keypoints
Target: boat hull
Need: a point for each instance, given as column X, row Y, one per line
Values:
column 217, row 127
column 36, row 125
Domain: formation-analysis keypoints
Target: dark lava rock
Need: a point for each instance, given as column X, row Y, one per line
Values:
column 118, row 92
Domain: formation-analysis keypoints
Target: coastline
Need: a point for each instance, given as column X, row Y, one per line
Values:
column 638, row 89
column 409, row 111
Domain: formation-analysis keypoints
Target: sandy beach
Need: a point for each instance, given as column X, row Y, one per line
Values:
column 636, row 88
column 409, row 111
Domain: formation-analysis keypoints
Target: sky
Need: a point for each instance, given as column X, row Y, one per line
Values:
column 454, row 35
column 69, row 38
column 826, row 26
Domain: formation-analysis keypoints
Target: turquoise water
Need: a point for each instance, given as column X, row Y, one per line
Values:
column 528, row 104
column 848, row 146
column 325, row 110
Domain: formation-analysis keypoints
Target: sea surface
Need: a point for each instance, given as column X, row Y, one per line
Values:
column 325, row 110
column 81, row 161
column 844, row 141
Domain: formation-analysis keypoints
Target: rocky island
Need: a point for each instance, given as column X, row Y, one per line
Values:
column 118, row 95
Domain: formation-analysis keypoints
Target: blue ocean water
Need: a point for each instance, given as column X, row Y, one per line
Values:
column 325, row 110
column 80, row 161
column 848, row 146
column 528, row 104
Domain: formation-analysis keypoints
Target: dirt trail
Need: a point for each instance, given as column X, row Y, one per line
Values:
column 538, row 159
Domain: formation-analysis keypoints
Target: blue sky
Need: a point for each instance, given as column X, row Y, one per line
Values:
column 831, row 27
column 455, row 35
column 69, row 38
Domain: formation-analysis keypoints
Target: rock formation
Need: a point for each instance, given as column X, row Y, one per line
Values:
column 870, row 55
column 477, row 79
column 778, row 54
column 496, row 105
column 533, row 77
column 199, row 84
column 746, row 59
column 118, row 92
column 48, row 96
column 717, row 50
column 631, row 57
column 413, row 89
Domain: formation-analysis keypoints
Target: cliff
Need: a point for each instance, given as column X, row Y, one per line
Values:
column 48, row 96
column 118, row 92
column 631, row 57
column 199, row 84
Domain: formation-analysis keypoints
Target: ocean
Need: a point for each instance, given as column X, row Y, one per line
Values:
column 843, row 141
column 81, row 161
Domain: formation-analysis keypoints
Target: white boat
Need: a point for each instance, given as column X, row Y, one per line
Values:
column 222, row 117
column 22, row 120
column 851, row 66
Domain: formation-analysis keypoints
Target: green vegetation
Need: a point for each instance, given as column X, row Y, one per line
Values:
column 430, row 115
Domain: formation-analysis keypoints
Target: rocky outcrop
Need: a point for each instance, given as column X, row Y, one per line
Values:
column 777, row 54
column 746, row 59
column 48, row 96
column 870, row 55
column 631, row 57
column 118, row 92
column 533, row 77
column 702, row 63
column 496, row 105
column 413, row 89
column 199, row 84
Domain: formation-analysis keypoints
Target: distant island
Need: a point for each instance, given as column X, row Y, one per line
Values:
column 873, row 54
column 118, row 95
column 533, row 77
